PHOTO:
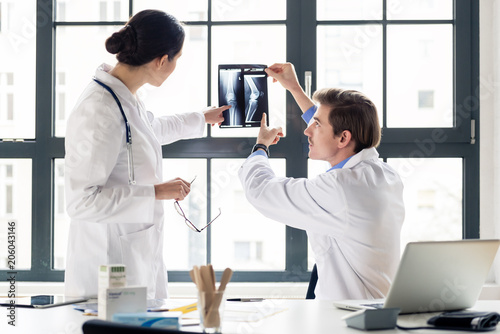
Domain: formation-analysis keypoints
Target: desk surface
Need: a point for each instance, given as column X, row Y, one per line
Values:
column 293, row 316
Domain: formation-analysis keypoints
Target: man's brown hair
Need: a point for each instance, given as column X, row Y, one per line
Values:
column 353, row 111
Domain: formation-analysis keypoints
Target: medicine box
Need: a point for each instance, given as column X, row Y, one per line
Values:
column 166, row 320
column 131, row 299
column 112, row 276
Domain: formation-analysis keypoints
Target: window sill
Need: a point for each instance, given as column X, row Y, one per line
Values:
column 243, row 290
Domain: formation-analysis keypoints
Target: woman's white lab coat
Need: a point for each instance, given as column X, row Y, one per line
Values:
column 112, row 221
column 353, row 218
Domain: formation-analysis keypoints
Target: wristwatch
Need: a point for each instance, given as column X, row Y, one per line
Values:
column 262, row 146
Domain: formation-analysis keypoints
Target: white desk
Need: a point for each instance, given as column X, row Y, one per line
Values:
column 299, row 316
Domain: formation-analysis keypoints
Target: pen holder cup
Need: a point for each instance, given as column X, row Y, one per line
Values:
column 211, row 308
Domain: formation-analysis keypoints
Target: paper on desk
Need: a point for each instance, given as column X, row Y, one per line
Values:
column 245, row 312
column 233, row 312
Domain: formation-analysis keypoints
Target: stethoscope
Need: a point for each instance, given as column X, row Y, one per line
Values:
column 131, row 177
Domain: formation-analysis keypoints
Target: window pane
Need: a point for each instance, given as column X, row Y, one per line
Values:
column 350, row 57
column 432, row 197
column 186, row 88
column 92, row 10
column 61, row 218
column 184, row 248
column 349, row 10
column 419, row 9
column 316, row 167
column 237, row 45
column 174, row 96
column 242, row 238
column 192, row 10
column 79, row 51
column 230, row 10
column 420, row 64
column 15, row 205
column 17, row 69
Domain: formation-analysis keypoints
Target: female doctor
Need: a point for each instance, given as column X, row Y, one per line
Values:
column 114, row 182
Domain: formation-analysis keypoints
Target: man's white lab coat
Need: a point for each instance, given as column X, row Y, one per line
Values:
column 352, row 215
column 111, row 221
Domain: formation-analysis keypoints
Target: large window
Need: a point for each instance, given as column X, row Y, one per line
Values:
column 404, row 56
column 417, row 60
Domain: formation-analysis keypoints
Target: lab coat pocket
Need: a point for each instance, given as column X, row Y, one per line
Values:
column 138, row 254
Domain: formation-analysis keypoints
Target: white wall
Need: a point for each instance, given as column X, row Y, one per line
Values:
column 490, row 126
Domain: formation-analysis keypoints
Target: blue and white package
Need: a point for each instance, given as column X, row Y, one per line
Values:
column 169, row 320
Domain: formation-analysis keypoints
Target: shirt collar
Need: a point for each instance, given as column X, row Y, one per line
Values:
column 340, row 164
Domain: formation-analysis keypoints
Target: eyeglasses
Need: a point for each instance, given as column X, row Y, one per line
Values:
column 186, row 219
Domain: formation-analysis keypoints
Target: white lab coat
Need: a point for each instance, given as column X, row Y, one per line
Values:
column 353, row 218
column 111, row 221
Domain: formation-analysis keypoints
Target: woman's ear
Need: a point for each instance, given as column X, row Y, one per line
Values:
column 162, row 60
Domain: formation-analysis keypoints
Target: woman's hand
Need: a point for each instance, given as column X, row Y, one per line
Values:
column 176, row 189
column 213, row 115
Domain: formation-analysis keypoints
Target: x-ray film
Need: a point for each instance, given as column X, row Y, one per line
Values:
column 244, row 88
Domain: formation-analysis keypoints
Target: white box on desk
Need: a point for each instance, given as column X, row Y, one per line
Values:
column 130, row 299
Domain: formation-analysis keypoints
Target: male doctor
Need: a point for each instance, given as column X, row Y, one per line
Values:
column 354, row 211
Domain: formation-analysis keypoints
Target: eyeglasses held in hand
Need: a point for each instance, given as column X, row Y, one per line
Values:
column 186, row 219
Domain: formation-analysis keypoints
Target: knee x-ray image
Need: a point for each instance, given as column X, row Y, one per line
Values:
column 244, row 88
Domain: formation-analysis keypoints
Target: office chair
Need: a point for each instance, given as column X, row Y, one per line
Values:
column 312, row 283
column 107, row 327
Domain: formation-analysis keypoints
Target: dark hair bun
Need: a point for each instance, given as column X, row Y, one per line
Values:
column 114, row 43
column 122, row 41
column 148, row 34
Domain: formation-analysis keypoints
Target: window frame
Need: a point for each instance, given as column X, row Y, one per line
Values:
column 301, row 39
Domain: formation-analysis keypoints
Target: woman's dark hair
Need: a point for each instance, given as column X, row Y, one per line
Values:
column 147, row 35
column 353, row 111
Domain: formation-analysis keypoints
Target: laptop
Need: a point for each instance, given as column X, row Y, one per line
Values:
column 435, row 276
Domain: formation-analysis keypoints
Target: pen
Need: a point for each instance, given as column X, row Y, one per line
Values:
column 245, row 299
column 183, row 309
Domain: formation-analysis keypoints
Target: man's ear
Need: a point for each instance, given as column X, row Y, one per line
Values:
column 345, row 138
